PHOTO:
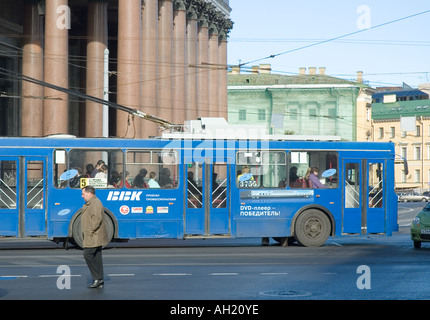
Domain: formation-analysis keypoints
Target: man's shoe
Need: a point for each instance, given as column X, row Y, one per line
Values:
column 96, row 284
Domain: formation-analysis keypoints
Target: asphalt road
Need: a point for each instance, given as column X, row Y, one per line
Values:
column 345, row 268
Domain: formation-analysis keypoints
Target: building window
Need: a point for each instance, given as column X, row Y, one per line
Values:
column 381, row 133
column 403, row 135
column 331, row 112
column 242, row 115
column 293, row 114
column 404, row 152
column 418, row 131
column 368, row 112
column 392, row 132
column 403, row 176
column 417, row 153
column 417, row 175
column 312, row 113
column 261, row 114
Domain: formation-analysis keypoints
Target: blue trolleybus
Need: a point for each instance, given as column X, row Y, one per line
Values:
column 195, row 186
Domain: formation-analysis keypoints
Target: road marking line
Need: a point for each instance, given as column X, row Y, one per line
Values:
column 224, row 274
column 172, row 274
column 329, row 273
column 8, row 277
column 121, row 275
column 272, row 273
column 58, row 275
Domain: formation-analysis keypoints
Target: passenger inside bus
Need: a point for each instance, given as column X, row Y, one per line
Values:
column 114, row 178
column 294, row 178
column 308, row 164
column 90, row 169
column 312, row 179
column 102, row 172
column 97, row 168
column 246, row 179
column 127, row 184
column 245, row 175
column 152, row 183
column 165, row 180
column 139, row 180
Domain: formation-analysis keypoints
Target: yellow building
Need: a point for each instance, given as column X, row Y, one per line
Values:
column 403, row 117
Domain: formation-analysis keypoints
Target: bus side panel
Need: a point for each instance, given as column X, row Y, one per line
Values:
column 63, row 204
column 269, row 212
column 262, row 227
column 154, row 213
column 147, row 213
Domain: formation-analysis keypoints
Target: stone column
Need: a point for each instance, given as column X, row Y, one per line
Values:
column 192, row 70
column 149, row 64
column 165, row 59
column 213, row 71
column 222, row 77
column 203, row 76
column 97, row 43
column 32, row 66
column 57, row 23
column 179, row 62
column 129, row 26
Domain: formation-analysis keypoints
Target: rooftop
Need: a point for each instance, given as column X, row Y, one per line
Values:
column 262, row 76
column 395, row 110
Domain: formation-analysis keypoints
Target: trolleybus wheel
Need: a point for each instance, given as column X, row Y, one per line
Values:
column 77, row 233
column 312, row 228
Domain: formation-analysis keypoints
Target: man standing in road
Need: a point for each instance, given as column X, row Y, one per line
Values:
column 94, row 234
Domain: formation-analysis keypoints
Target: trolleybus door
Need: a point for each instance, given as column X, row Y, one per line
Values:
column 207, row 199
column 33, row 194
column 22, row 196
column 9, row 196
column 376, row 196
column 354, row 213
column 364, row 196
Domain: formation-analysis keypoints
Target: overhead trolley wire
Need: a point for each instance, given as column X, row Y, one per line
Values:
column 134, row 112
column 335, row 38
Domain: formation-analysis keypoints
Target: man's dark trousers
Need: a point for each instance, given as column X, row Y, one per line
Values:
column 93, row 257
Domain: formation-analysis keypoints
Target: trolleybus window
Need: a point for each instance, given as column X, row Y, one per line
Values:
column 261, row 169
column 99, row 168
column 8, row 184
column 152, row 169
column 376, row 185
column 352, row 185
column 35, row 178
column 301, row 163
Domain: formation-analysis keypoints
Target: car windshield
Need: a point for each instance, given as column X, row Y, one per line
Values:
column 427, row 207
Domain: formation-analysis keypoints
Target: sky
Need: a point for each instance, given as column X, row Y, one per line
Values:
column 389, row 52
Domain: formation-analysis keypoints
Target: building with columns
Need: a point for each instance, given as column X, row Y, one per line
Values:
column 167, row 58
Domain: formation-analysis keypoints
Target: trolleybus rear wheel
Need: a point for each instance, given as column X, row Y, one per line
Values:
column 312, row 228
column 77, row 233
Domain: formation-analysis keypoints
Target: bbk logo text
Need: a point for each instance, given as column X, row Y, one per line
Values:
column 124, row 195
